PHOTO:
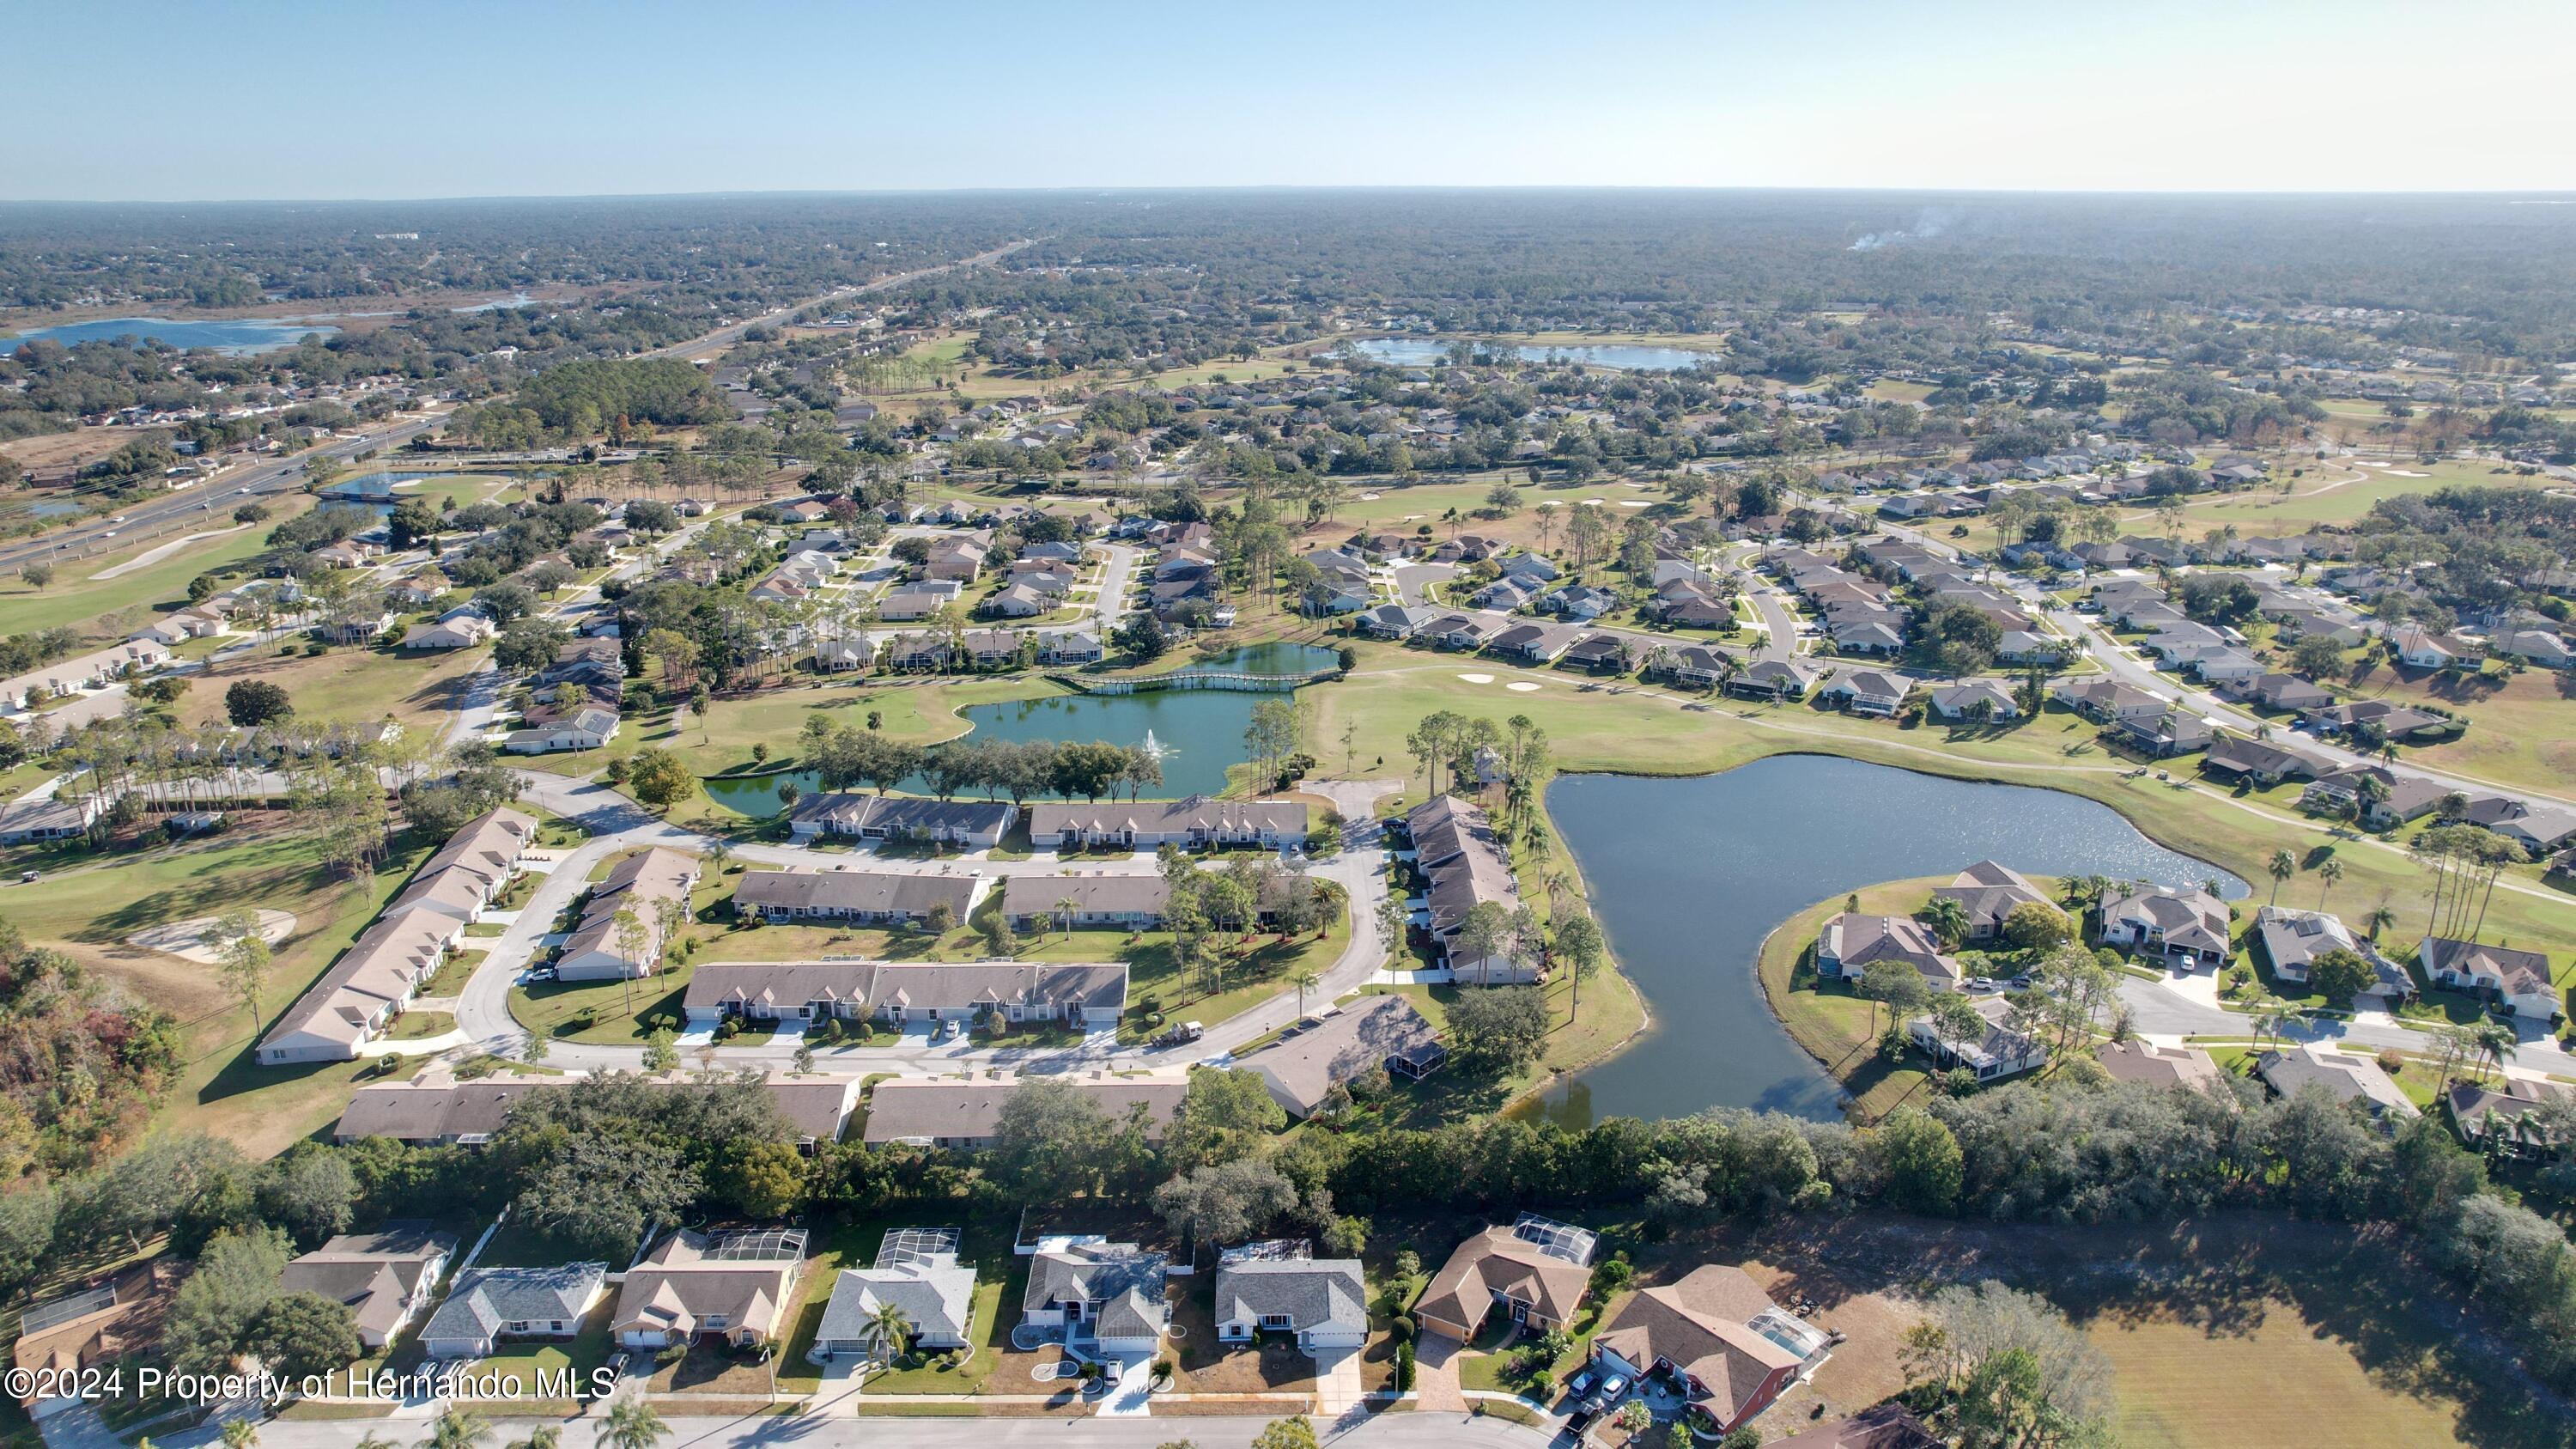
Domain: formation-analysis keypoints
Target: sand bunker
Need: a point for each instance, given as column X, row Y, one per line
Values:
column 1370, row 497
column 1634, row 503
column 1477, row 678
column 187, row 939
column 1521, row 685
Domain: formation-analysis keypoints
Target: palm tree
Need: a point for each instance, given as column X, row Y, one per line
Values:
column 1306, row 981
column 2379, row 919
column 457, row 1429
column 1948, row 919
column 1064, row 909
column 241, row 1433
column 632, row 1424
column 2329, row 873
column 2272, row 1017
column 2497, row 1043
column 887, row 1332
column 2283, row 866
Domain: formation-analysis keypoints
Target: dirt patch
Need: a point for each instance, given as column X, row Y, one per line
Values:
column 187, row 939
column 1210, row 1367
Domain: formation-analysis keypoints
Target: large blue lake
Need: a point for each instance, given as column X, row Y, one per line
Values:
column 1688, row 877
column 1619, row 357
column 1198, row 733
column 235, row 336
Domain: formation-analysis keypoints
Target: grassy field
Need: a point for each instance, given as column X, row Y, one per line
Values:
column 87, row 911
column 352, row 684
column 79, row 599
column 2522, row 726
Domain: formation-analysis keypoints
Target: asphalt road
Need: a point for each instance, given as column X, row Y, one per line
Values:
column 211, row 501
column 1210, row 1431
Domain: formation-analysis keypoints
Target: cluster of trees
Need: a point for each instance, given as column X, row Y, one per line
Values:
column 1203, row 908
column 845, row 757
column 2472, row 548
column 583, row 399
column 79, row 1059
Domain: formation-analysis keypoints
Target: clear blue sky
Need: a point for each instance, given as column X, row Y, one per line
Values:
column 117, row 99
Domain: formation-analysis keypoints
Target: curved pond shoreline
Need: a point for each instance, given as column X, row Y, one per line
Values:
column 1691, row 874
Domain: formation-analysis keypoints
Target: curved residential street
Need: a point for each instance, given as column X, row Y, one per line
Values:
column 617, row 825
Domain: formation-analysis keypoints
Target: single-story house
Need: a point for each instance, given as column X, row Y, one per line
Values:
column 1869, row 691
column 1536, row 1271
column 2345, row 1077
column 1974, row 699
column 1720, row 1337
column 1281, row 1288
column 637, row 885
column 2157, row 1066
column 1104, row 1297
column 1464, row 865
column 2000, row 1052
column 1988, row 893
column 385, row 1277
column 1197, row 822
column 2290, row 939
column 1092, row 901
column 978, row 824
column 2264, row 764
column 1851, row 942
column 916, row 1272
column 2519, row 979
column 489, row 1305
column 735, row 1285
column 892, row 992
column 436, row 1109
column 1375, row 1032
column 2176, row 922
column 961, row 1115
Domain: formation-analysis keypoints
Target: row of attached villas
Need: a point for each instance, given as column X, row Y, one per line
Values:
column 1089, row 996
column 380, row 973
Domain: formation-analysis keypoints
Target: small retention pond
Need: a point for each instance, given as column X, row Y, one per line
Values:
column 1688, row 876
column 1198, row 733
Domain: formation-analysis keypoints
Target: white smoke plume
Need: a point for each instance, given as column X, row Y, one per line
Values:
column 1927, row 224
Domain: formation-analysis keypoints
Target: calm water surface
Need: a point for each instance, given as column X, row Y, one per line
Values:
column 1688, row 877
column 1619, row 357
column 236, row 336
column 1198, row 732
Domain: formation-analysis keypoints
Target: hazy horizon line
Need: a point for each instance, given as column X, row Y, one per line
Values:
column 1315, row 188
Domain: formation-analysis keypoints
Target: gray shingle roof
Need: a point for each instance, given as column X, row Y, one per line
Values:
column 1311, row 1293
column 486, row 1299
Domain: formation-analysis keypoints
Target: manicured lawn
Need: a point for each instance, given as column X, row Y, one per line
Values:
column 418, row 1025
column 606, row 1013
column 2522, row 727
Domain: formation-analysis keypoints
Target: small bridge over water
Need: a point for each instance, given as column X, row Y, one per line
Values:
column 1228, row 679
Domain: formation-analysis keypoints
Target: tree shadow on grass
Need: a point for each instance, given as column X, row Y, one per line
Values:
column 2223, row 1275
